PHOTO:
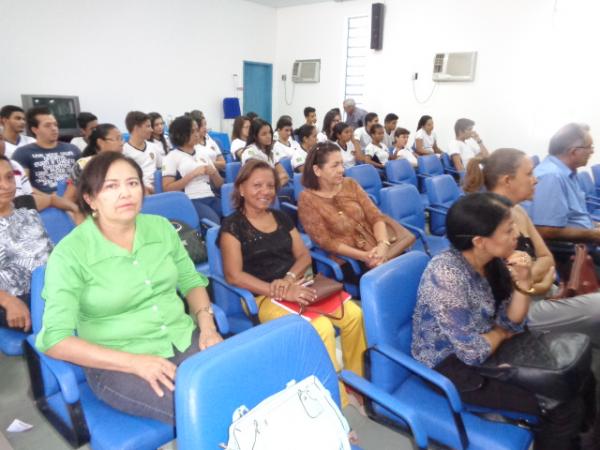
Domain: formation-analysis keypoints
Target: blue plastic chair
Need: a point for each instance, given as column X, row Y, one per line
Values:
column 402, row 203
column 442, row 192
column 399, row 171
column 367, row 176
column 587, row 185
column 219, row 376
column 11, row 341
column 389, row 297
column 57, row 223
column 449, row 167
column 158, row 187
column 231, row 171
column 428, row 166
column 125, row 135
column 596, row 175
column 286, row 163
column 61, row 187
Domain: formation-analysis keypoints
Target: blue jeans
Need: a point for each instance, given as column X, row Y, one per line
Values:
column 208, row 208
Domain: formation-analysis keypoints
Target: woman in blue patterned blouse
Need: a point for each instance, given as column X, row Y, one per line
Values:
column 472, row 298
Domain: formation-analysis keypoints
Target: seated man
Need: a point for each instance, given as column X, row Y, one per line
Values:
column 355, row 116
column 467, row 144
column 12, row 119
column 87, row 123
column 559, row 208
column 145, row 153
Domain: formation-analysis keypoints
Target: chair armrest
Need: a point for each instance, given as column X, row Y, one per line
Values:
column 353, row 264
column 372, row 197
column 393, row 404
column 289, row 205
column 419, row 234
column 335, row 267
column 208, row 223
column 423, row 175
column 389, row 183
column 62, row 371
column 439, row 209
column 220, row 319
column 245, row 294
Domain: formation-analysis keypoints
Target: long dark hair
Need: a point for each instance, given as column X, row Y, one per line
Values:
column 154, row 116
column 255, row 127
column 100, row 132
column 480, row 214
column 238, row 124
column 317, row 156
column 327, row 121
column 422, row 121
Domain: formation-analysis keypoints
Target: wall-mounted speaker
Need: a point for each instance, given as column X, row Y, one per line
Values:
column 377, row 10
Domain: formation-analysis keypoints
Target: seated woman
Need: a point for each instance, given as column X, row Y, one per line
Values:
column 260, row 146
column 114, row 280
column 307, row 135
column 471, row 299
column 207, row 147
column 239, row 135
column 158, row 133
column 343, row 136
column 24, row 246
column 509, row 172
column 196, row 170
column 284, row 144
column 331, row 119
column 339, row 216
column 376, row 152
column 264, row 253
column 400, row 149
column 425, row 138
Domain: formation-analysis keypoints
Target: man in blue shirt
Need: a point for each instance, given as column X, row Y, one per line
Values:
column 559, row 209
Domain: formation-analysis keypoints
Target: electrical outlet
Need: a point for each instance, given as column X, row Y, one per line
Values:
column 415, row 76
column 283, row 77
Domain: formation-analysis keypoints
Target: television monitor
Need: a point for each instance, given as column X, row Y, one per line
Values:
column 64, row 107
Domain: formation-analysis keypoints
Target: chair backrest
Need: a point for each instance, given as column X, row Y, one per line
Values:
column 430, row 165
column 388, row 297
column 244, row 370
column 125, row 135
column 447, row 162
column 403, row 204
column 231, row 171
column 586, row 182
column 173, row 206
column 222, row 139
column 158, row 188
column 367, row 176
column 227, row 204
column 287, row 165
column 596, row 173
column 442, row 190
column 400, row 171
column 535, row 159
column 298, row 187
column 57, row 223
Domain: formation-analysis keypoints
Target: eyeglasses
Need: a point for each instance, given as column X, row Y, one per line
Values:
column 119, row 139
column 588, row 147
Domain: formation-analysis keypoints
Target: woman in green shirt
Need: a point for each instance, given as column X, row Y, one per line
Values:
column 113, row 280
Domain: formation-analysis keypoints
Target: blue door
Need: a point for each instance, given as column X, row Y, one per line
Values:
column 258, row 89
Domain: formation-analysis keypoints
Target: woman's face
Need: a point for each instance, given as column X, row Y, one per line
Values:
column 245, row 130
column 202, row 129
column 332, row 172
column 503, row 242
column 346, row 135
column 195, row 134
column 522, row 184
column 158, row 128
column 258, row 190
column 377, row 136
column 265, row 137
column 311, row 140
column 8, row 185
column 428, row 127
column 337, row 119
column 120, row 198
column 113, row 142
column 401, row 141
column 285, row 133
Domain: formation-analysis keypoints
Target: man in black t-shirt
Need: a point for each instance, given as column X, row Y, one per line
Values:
column 47, row 161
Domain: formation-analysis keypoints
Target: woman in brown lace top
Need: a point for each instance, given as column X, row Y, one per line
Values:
column 338, row 215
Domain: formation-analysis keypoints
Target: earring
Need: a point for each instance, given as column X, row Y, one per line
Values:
column 95, row 214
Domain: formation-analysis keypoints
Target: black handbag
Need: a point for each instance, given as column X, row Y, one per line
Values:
column 192, row 241
column 552, row 365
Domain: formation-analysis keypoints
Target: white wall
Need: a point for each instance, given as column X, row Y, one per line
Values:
column 536, row 70
column 118, row 55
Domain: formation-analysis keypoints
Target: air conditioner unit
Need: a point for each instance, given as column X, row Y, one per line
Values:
column 454, row 66
column 306, row 71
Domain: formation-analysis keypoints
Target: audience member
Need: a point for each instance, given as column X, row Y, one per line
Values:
column 401, row 151
column 251, row 115
column 264, row 253
column 23, row 190
column 474, row 297
column 48, row 160
column 158, row 133
column 307, row 134
column 344, row 138
column 145, row 153
column 284, row 145
column 12, row 119
column 131, row 341
column 87, row 123
column 467, row 144
column 310, row 116
column 260, row 146
column 425, row 138
column 24, row 246
column 509, row 172
column 329, row 121
column 355, row 116
column 207, row 147
column 239, row 135
column 376, row 152
column 361, row 134
column 195, row 169
column 389, row 123
column 338, row 215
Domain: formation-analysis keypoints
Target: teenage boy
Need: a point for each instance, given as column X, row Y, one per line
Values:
column 87, row 123
column 467, row 144
column 310, row 116
column 389, row 126
column 12, row 119
column 145, row 153
column 361, row 134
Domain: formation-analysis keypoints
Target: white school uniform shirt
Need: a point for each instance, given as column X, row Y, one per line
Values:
column 428, row 140
column 253, row 152
column 380, row 150
column 79, row 142
column 406, row 153
column 284, row 151
column 361, row 135
column 236, row 145
column 388, row 139
column 210, row 149
column 21, row 179
column 467, row 149
column 321, row 137
column 298, row 157
column 348, row 155
column 9, row 147
column 148, row 160
column 178, row 161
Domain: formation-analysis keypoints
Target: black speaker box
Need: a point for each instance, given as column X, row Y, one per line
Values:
column 377, row 26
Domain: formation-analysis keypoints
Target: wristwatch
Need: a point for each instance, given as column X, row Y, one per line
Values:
column 207, row 309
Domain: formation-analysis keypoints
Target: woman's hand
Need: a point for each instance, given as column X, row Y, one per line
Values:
column 201, row 170
column 17, row 312
column 156, row 371
column 279, row 288
column 208, row 338
column 300, row 294
column 376, row 256
column 210, row 170
column 519, row 266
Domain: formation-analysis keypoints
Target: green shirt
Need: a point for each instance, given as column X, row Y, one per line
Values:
column 117, row 299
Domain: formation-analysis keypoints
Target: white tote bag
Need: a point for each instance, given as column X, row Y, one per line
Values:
column 302, row 416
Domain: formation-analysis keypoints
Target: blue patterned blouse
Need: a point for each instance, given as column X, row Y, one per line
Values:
column 455, row 306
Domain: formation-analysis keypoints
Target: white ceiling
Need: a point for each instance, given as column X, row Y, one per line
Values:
column 284, row 3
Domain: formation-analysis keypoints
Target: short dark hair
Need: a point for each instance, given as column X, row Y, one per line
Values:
column 93, row 176
column 284, row 121
column 462, row 125
column 369, row 117
column 246, row 172
column 308, row 110
column 251, row 115
column 390, row 118
column 180, row 130
column 569, row 136
column 422, row 121
column 33, row 113
column 400, row 131
column 100, row 132
column 318, row 156
column 134, row 119
column 83, row 118
column 304, row 131
column 337, row 130
column 374, row 127
column 7, row 110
